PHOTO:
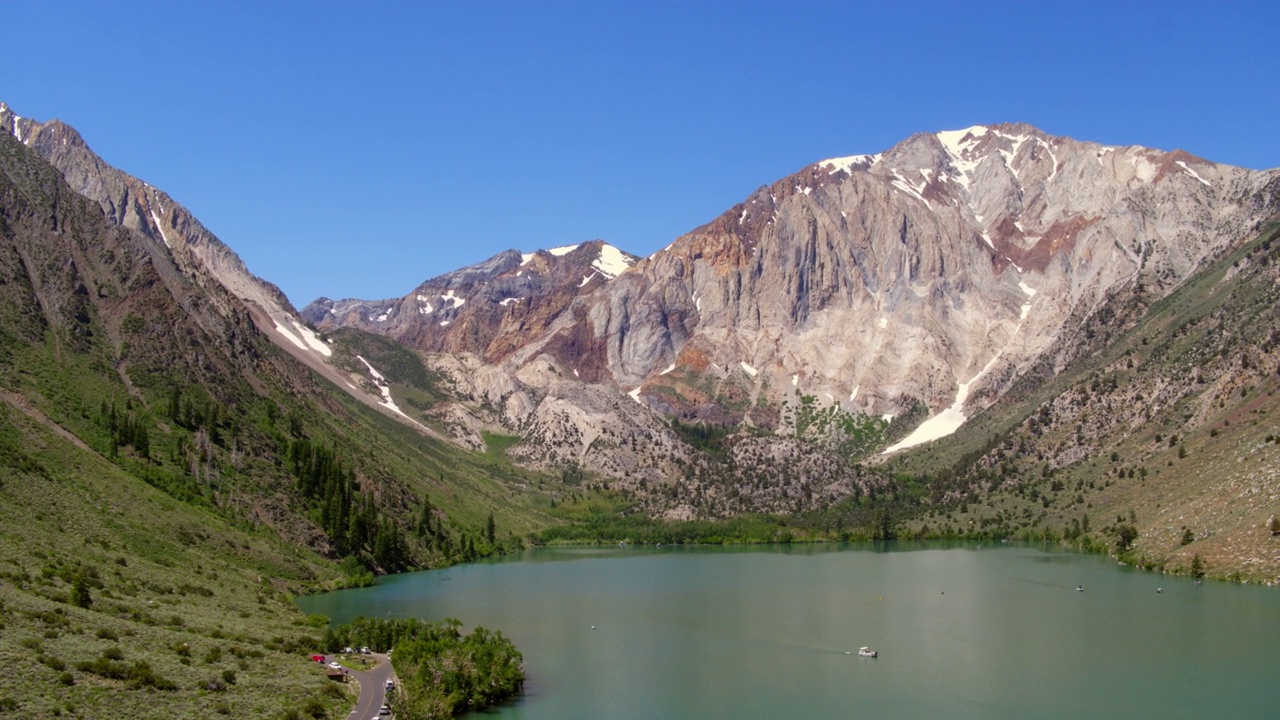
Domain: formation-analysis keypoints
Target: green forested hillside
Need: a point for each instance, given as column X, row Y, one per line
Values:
column 169, row 479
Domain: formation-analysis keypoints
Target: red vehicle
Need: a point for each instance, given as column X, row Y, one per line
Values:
column 318, row 658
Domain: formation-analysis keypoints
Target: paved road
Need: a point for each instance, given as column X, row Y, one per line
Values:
column 373, row 685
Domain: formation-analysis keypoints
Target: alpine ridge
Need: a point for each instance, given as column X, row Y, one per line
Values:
column 918, row 283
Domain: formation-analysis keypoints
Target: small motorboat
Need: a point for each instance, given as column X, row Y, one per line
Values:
column 868, row 652
column 1079, row 588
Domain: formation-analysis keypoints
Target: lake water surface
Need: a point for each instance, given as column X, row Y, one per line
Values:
column 765, row 632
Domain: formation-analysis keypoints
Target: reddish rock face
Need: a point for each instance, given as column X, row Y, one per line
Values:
column 873, row 282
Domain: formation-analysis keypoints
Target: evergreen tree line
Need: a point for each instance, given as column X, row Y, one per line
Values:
column 347, row 516
column 126, row 429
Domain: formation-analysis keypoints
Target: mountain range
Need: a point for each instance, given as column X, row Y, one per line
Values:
column 983, row 333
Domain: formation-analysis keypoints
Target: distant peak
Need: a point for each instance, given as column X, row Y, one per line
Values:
column 957, row 142
column 609, row 261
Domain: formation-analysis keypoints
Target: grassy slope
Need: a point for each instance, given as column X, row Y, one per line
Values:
column 171, row 580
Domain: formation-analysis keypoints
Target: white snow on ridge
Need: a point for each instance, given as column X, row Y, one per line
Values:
column 847, row 163
column 507, row 301
column 302, row 336
column 525, row 258
column 1031, row 292
column 958, row 143
column 954, row 140
column 586, row 279
column 669, row 369
column 1193, row 173
column 748, row 369
column 908, row 187
column 383, row 388
column 562, row 250
column 385, row 314
column 635, row 395
column 454, row 301
column 165, row 238
column 611, row 262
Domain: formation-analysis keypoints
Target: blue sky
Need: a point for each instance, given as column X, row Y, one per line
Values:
column 356, row 149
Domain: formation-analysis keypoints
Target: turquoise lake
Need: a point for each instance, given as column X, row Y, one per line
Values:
column 963, row 631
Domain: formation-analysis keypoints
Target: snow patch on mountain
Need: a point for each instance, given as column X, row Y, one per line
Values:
column 301, row 336
column 847, row 164
column 156, row 220
column 383, row 387
column 612, row 262
column 1193, row 173
column 454, row 301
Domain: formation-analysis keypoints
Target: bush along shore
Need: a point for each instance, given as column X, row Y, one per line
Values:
column 442, row 672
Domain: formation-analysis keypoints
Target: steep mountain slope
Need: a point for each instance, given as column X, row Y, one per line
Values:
column 863, row 296
column 194, row 253
column 1168, row 429
column 941, row 268
column 169, row 474
column 129, row 344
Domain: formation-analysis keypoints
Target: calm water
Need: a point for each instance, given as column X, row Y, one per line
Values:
column 963, row 632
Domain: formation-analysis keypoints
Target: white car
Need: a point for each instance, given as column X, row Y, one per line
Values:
column 335, row 665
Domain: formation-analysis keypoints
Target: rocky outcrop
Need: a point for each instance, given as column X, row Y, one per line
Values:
column 936, row 271
column 490, row 309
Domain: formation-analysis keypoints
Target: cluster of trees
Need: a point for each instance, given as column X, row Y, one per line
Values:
column 349, row 518
column 126, row 429
column 442, row 672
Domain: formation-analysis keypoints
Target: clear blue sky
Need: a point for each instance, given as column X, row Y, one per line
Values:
column 355, row 149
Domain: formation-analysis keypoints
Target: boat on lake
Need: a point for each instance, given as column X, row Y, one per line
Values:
column 867, row 652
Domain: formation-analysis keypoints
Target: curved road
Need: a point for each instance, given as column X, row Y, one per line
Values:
column 373, row 686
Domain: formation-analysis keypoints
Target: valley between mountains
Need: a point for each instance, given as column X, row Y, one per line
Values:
column 988, row 333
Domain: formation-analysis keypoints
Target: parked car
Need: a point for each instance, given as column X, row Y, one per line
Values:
column 335, row 665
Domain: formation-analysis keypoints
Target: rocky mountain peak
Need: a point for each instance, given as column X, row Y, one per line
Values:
column 932, row 273
column 489, row 308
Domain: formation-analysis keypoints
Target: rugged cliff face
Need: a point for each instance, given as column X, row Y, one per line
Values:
column 944, row 265
column 922, row 280
column 489, row 309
